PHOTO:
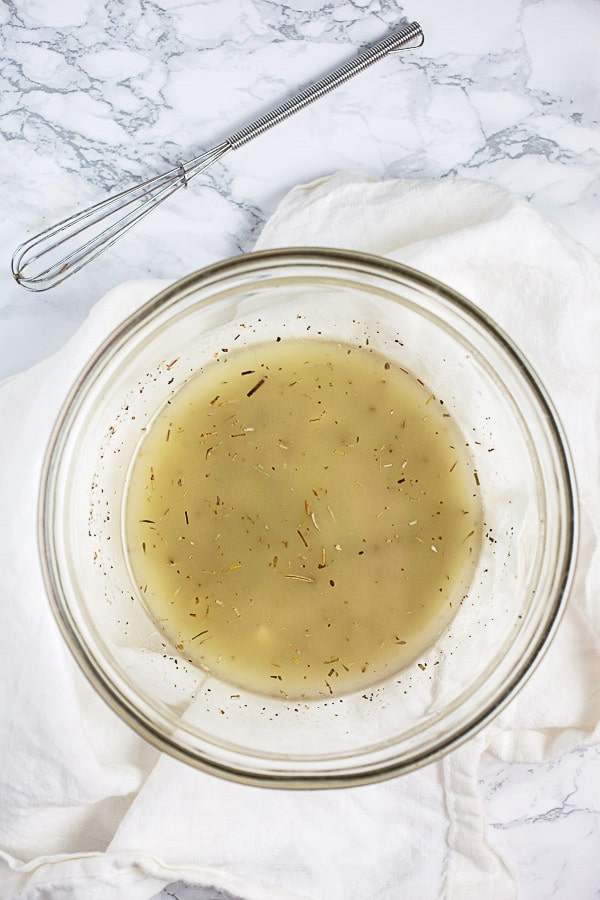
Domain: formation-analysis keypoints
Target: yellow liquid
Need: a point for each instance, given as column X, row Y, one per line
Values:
column 303, row 518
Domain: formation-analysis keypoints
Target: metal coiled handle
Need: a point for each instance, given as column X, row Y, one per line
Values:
column 409, row 36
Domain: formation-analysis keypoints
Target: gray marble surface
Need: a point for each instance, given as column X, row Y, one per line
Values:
column 98, row 94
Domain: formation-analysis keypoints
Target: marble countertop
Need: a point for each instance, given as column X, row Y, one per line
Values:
column 97, row 95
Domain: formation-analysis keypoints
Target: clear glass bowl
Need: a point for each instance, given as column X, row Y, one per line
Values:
column 526, row 483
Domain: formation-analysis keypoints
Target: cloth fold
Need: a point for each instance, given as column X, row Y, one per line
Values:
column 88, row 810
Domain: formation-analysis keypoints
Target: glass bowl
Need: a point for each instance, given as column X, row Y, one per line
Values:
column 505, row 619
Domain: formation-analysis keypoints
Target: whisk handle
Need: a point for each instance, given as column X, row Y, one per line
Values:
column 407, row 37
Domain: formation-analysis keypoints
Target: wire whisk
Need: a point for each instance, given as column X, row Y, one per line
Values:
column 41, row 262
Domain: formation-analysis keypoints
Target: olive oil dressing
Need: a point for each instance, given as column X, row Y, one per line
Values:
column 303, row 520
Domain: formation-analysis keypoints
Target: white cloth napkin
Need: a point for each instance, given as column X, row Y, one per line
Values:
column 88, row 810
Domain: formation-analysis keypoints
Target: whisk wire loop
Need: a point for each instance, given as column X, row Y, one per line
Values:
column 143, row 197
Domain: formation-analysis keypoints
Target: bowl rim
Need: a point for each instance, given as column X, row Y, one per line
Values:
column 169, row 296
